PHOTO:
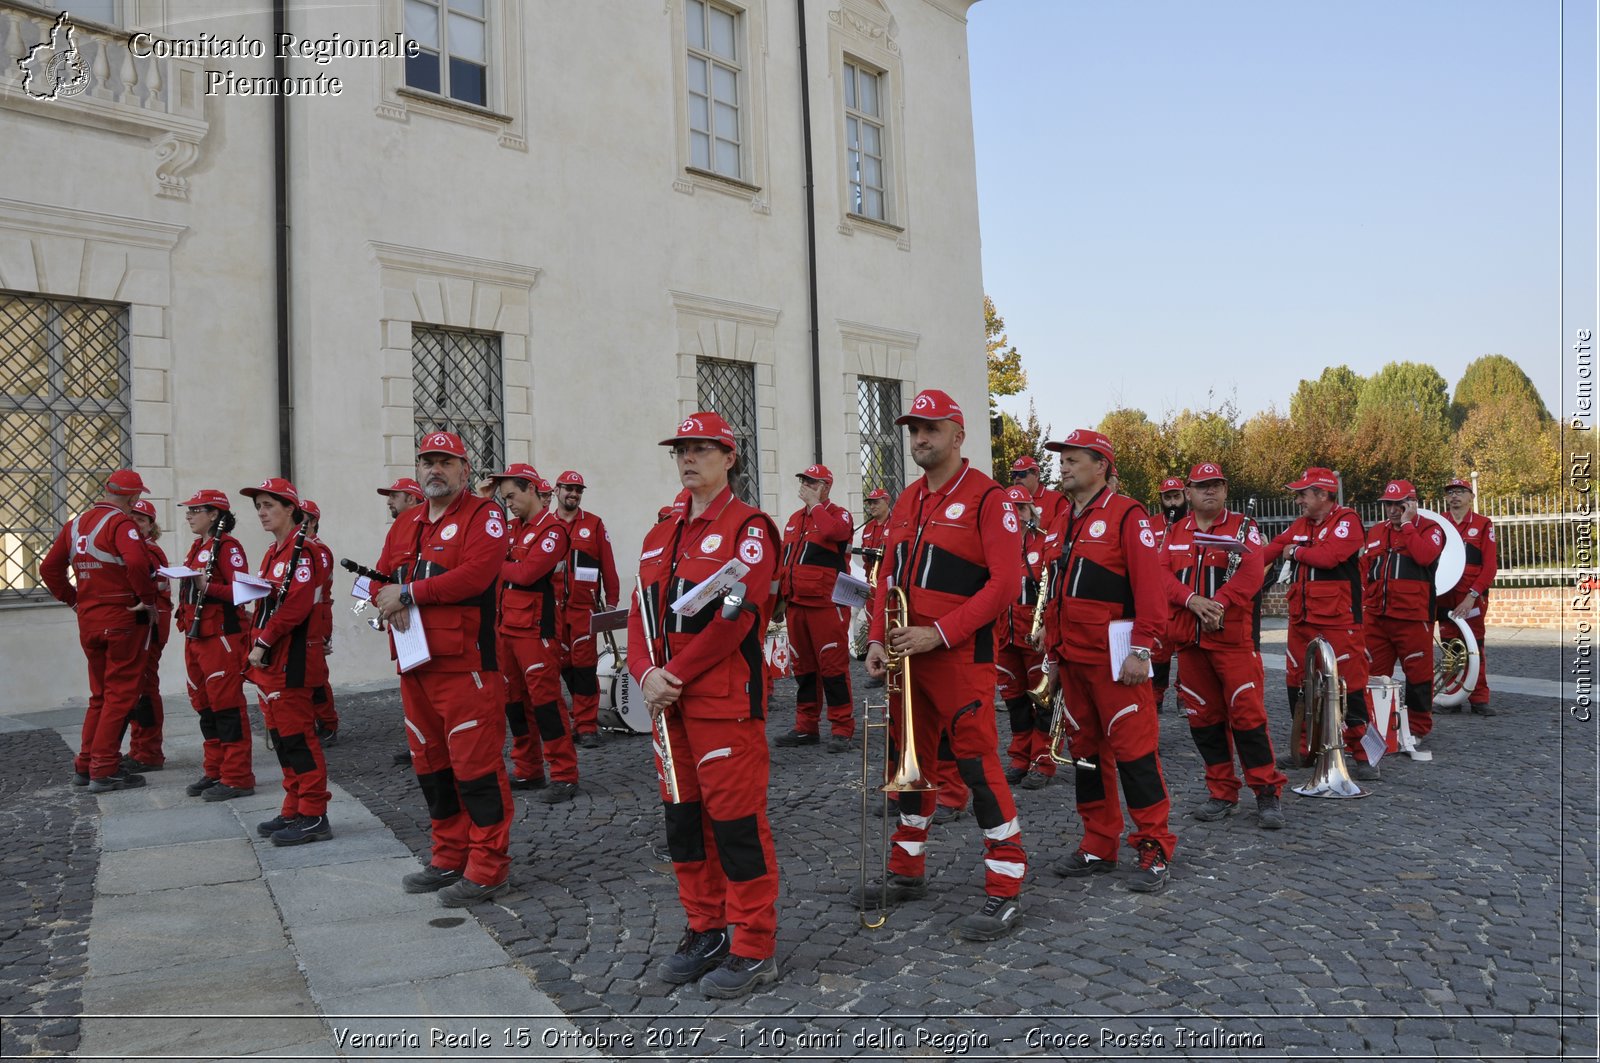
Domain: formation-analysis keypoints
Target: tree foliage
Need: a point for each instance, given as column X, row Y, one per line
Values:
column 1016, row 439
column 1511, row 449
column 1006, row 375
column 1495, row 376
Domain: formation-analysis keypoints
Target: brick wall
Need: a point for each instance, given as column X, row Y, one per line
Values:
column 1542, row 607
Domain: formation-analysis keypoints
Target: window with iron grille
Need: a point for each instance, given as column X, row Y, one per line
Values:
column 453, row 49
column 64, row 423
column 729, row 388
column 864, row 141
column 714, row 72
column 883, row 455
column 457, row 387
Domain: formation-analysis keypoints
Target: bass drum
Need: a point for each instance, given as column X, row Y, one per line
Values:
column 622, row 710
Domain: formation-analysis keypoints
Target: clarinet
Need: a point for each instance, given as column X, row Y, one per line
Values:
column 1244, row 531
column 206, row 577
column 359, row 569
column 265, row 612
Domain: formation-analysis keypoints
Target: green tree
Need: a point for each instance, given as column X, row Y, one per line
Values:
column 1323, row 413
column 1493, row 376
column 1402, row 430
column 1193, row 436
column 1143, row 456
column 1016, row 439
column 1509, row 446
column 1268, row 457
column 1006, row 375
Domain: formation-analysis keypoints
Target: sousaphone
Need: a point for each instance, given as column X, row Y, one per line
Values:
column 1457, row 659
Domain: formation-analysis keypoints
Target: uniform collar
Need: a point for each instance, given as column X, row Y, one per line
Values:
column 713, row 511
column 449, row 510
column 955, row 481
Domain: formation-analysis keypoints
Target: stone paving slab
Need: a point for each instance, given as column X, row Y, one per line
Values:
column 329, row 893
column 137, row 871
column 400, row 947
column 153, row 931
column 125, row 829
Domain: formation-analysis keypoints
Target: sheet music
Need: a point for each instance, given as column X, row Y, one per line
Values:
column 177, row 571
column 850, row 591
column 247, row 588
column 713, row 586
column 1121, row 641
column 362, row 589
column 585, row 574
column 411, row 645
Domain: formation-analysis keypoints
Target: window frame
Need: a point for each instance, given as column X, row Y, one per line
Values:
column 430, row 418
column 894, row 471
column 862, row 34
column 443, row 54
column 750, row 36
column 704, row 53
column 852, row 70
column 746, row 429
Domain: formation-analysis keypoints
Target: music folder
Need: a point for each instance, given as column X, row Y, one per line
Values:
column 610, row 620
column 247, row 588
column 851, row 592
column 411, row 645
column 712, row 587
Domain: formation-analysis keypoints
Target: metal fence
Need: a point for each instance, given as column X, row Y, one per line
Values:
column 1537, row 536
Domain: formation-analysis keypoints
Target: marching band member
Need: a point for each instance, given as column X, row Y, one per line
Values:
column 1021, row 665
column 285, row 668
column 320, row 640
column 1047, row 502
column 701, row 675
column 1325, row 600
column 816, row 548
column 1401, row 556
column 216, row 643
column 874, row 532
column 445, row 557
column 529, row 641
column 1106, row 571
column 954, row 549
column 1468, row 600
column 401, row 496
column 590, row 567
column 114, row 599
column 1212, row 571
column 1174, row 507
column 148, row 717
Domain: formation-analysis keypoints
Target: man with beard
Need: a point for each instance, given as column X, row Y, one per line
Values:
column 1174, row 507
column 588, row 583
column 1468, row 601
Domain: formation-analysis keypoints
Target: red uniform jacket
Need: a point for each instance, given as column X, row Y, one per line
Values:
column 816, row 548
column 1193, row 568
column 957, row 553
column 451, row 564
column 719, row 660
column 590, row 564
column 107, row 556
column 322, row 614
column 874, row 533
column 284, row 623
column 1400, row 563
column 528, row 576
column 1017, row 621
column 1050, row 503
column 1325, row 587
column 163, row 585
column 1106, row 568
column 220, row 616
column 1483, row 558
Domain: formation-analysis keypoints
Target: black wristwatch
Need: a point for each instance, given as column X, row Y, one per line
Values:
column 406, row 601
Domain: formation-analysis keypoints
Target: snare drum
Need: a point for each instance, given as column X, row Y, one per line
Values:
column 780, row 662
column 1386, row 695
column 622, row 709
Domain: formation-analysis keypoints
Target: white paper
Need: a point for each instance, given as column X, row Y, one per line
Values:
column 713, row 586
column 1120, row 634
column 850, row 591
column 1375, row 744
column 362, row 589
column 584, row 574
column 411, row 645
column 249, row 588
column 177, row 571
column 1474, row 611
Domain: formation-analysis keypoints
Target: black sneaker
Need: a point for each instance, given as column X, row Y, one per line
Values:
column 1016, row 775
column 115, row 782
column 1082, row 863
column 430, row 879
column 1364, row 772
column 403, row 757
column 527, row 784
column 897, row 890
column 698, row 952
column 1269, row 812
column 223, row 792
column 329, row 738
column 200, row 786
column 998, row 917
column 80, row 778
column 303, row 830
column 838, row 744
column 1035, row 780
column 138, row 767
column 891, row 809
column 947, row 813
column 1151, row 877
column 557, row 792
column 738, row 975
column 1481, row 709
column 796, row 738
column 466, row 892
column 589, row 740
column 274, row 825
column 1214, row 809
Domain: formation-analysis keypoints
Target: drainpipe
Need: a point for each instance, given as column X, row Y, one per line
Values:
column 280, row 188
column 811, row 239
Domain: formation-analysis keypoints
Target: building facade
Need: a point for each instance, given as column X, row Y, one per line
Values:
column 554, row 227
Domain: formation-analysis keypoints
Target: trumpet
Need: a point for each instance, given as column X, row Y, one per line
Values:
column 1062, row 728
column 1040, row 695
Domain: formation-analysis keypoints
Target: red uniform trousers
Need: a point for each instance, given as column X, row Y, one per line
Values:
column 718, row 832
column 216, row 667
column 1020, row 669
column 1223, row 693
column 1411, row 642
column 116, row 679
column 457, row 732
column 819, row 646
column 323, row 712
column 148, row 720
column 1448, row 630
column 1120, row 720
column 534, row 712
column 953, row 699
column 287, row 712
column 1161, row 658
column 579, row 656
column 1349, row 648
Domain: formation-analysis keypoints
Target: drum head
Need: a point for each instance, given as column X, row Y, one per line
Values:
column 621, row 707
column 1453, row 562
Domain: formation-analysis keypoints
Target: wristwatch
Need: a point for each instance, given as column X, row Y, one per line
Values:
column 1140, row 652
column 405, row 596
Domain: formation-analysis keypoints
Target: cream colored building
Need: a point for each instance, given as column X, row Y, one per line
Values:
column 595, row 213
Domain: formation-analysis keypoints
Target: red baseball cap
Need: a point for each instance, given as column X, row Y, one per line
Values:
column 1026, row 463
column 932, row 405
column 1205, row 472
column 405, row 484
column 1398, row 491
column 1316, row 476
column 125, row 482
column 442, row 443
column 1087, row 439
column 877, row 493
column 311, row 509
column 518, row 470
column 1465, row 485
column 1171, row 483
column 542, row 486
column 208, row 496
column 145, row 508
column 570, row 479
column 706, row 424
column 1017, row 494
column 277, row 487
column 816, row 472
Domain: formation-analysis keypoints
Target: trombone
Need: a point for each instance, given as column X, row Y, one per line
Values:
column 907, row 777
column 1062, row 728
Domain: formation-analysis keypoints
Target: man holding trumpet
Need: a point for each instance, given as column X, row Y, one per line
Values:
column 702, row 677
column 954, row 549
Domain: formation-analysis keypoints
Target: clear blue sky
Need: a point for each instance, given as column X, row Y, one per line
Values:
column 1229, row 195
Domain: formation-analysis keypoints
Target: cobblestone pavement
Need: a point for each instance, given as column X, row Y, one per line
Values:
column 1449, row 915
column 48, row 860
